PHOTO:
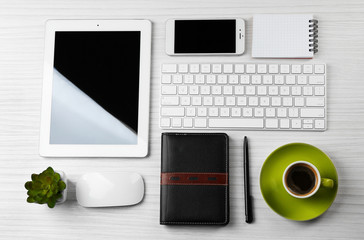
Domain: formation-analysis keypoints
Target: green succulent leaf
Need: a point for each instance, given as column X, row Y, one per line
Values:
column 34, row 177
column 30, row 200
column 28, row 185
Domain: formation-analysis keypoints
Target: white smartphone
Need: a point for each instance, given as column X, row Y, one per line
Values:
column 205, row 36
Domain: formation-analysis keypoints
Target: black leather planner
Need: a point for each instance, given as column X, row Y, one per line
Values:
column 194, row 179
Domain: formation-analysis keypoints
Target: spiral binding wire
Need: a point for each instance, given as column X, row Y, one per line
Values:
column 313, row 35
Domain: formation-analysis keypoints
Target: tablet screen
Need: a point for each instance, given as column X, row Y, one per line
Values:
column 95, row 87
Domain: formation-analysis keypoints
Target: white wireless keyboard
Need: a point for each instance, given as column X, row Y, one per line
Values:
column 243, row 96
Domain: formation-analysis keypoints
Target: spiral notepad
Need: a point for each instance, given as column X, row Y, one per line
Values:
column 284, row 36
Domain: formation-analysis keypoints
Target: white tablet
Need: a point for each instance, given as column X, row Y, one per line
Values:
column 96, row 88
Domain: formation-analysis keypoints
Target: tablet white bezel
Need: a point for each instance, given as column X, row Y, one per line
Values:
column 91, row 150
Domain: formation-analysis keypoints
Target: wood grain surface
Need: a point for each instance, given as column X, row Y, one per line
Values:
column 341, row 47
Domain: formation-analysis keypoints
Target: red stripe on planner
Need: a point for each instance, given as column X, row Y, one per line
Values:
column 190, row 178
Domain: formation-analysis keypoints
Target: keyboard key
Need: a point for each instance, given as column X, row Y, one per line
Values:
column 224, row 112
column 299, row 102
column 228, row 68
column 284, row 68
column 169, row 68
column 216, row 90
column 241, row 101
column 205, row 90
column 250, row 90
column 221, row 79
column 228, row 90
column 185, row 101
column 188, row 79
column 216, row 68
column 307, row 126
column 256, row 79
column 291, row 79
column 233, row 79
column 183, row 68
column 262, row 68
column 284, row 90
column 296, row 68
column 284, row 123
column 282, row 112
column 278, row 79
column 170, row 101
column 196, row 101
column 307, row 91
column 247, row 112
column 253, row 101
column 235, row 123
column 264, row 101
column 307, row 68
column 258, row 112
column 182, row 90
column 293, row 112
column 213, row 112
column 205, row 68
column 207, row 101
column 239, row 68
column 296, row 91
column 176, row 111
column 190, row 112
column 287, row 101
column 319, row 68
column 165, row 122
column 194, row 90
column 273, row 90
column 202, row 112
column 166, row 90
column 166, row 79
column 200, row 79
column 296, row 123
column 176, row 122
column 230, row 101
column 187, row 122
column 273, row 68
column 271, row 123
column 302, row 79
column 276, row 101
column 177, row 79
column 315, row 102
column 262, row 90
column 250, row 68
column 320, row 124
column 270, row 112
column 211, row 79
column 244, row 79
column 316, row 80
column 267, row 79
column 219, row 101
column 319, row 91
column 236, row 112
column 239, row 90
column 194, row 68
column 200, row 122
column 312, row 112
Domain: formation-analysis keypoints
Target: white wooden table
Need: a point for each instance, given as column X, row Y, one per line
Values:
column 341, row 46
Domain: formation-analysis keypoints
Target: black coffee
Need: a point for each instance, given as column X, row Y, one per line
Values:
column 301, row 179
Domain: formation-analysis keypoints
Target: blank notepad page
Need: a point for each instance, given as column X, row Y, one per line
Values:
column 282, row 36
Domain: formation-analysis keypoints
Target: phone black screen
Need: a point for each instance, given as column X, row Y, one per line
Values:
column 205, row 36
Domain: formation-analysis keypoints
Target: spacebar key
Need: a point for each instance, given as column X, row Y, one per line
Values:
column 235, row 123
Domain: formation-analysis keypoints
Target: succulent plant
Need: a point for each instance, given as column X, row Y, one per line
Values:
column 45, row 187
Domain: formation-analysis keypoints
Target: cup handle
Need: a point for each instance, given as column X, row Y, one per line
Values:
column 327, row 183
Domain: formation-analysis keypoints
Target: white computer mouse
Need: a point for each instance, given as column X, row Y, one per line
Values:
column 109, row 189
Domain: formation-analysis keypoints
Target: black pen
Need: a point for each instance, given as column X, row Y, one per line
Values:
column 247, row 196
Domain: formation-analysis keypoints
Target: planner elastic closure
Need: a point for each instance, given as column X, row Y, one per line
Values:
column 194, row 178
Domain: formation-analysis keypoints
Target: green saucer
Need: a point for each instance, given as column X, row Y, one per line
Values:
column 273, row 190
